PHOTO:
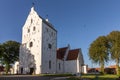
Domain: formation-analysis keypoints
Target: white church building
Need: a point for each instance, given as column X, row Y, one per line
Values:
column 69, row 61
column 39, row 53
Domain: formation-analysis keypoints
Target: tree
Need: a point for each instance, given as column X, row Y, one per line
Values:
column 98, row 51
column 114, row 42
column 1, row 51
column 9, row 53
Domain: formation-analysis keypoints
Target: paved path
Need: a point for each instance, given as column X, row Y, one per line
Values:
column 29, row 77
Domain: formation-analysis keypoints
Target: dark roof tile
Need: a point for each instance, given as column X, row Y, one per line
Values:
column 73, row 54
column 61, row 52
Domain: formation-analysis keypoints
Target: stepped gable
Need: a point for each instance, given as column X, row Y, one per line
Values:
column 61, row 52
column 73, row 54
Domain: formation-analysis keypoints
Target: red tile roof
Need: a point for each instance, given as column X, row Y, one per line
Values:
column 73, row 54
column 98, row 69
column 61, row 52
column 113, row 66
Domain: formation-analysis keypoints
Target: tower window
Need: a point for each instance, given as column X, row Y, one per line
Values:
column 49, row 64
column 31, row 44
column 49, row 46
column 34, row 28
column 28, row 30
column 31, row 21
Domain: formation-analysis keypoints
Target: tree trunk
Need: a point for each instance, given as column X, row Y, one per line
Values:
column 7, row 67
column 117, row 66
column 102, row 67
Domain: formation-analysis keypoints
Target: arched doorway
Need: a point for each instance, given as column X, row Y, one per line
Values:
column 31, row 70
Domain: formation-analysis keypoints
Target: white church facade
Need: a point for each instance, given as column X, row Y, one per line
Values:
column 39, row 53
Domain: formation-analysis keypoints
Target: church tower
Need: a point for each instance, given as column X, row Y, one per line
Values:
column 39, row 44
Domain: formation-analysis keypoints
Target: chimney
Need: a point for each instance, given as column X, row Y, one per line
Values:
column 46, row 19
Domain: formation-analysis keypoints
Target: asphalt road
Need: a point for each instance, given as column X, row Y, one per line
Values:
column 29, row 77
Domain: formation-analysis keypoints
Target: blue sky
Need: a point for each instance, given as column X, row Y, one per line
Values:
column 78, row 22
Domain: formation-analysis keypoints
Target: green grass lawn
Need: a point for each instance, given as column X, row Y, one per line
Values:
column 88, row 76
column 93, row 77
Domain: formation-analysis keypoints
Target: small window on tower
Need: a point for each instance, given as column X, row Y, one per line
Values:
column 31, row 21
column 31, row 44
column 34, row 28
column 49, row 46
column 28, row 30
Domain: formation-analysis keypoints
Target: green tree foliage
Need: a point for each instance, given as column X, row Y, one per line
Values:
column 114, row 42
column 98, row 51
column 1, row 51
column 9, row 53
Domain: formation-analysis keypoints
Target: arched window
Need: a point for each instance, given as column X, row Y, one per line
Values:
column 31, row 44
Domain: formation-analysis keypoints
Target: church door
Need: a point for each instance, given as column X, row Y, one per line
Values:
column 21, row 70
column 31, row 70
